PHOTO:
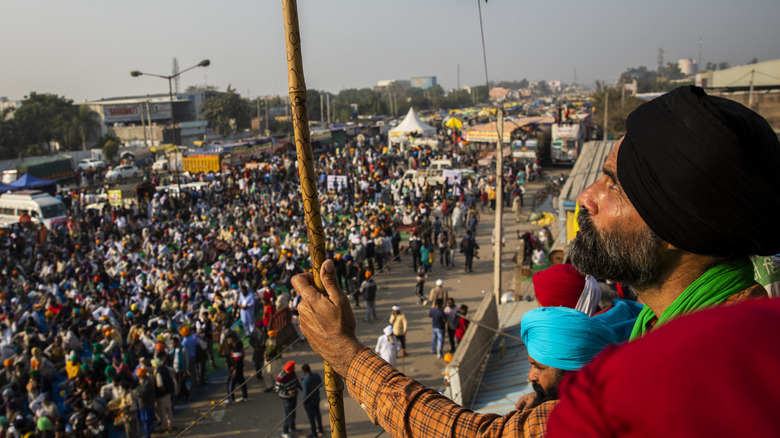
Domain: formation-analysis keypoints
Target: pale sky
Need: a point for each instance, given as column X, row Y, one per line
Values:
column 85, row 50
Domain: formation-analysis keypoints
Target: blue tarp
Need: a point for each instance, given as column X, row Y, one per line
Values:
column 28, row 181
column 5, row 187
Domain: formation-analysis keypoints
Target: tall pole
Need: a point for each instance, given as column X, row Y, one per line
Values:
column 750, row 94
column 149, row 120
column 484, row 54
column 266, row 115
column 143, row 127
column 175, row 139
column 606, row 112
column 334, row 386
column 499, row 206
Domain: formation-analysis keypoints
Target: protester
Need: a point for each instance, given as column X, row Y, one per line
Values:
column 368, row 290
column 438, row 322
column 398, row 321
column 677, row 267
column 287, row 386
column 311, row 399
column 387, row 345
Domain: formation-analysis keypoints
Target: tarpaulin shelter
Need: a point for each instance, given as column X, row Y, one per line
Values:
column 28, row 181
column 411, row 125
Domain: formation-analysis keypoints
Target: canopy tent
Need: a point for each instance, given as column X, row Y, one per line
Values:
column 5, row 188
column 410, row 124
column 28, row 181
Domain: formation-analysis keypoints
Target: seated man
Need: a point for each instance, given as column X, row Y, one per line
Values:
column 680, row 208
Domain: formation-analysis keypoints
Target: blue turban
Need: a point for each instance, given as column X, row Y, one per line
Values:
column 564, row 338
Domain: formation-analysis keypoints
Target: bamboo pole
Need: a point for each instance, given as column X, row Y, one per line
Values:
column 334, row 385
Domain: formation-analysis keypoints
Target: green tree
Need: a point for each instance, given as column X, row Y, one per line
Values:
column 542, row 89
column 618, row 107
column 110, row 149
column 227, row 113
column 9, row 135
column 42, row 118
column 83, row 125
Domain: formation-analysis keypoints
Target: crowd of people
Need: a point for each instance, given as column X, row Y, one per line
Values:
column 111, row 319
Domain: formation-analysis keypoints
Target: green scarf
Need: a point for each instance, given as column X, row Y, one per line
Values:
column 713, row 287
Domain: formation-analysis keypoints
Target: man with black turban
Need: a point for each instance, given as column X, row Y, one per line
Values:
column 687, row 196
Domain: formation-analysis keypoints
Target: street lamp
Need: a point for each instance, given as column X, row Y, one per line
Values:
column 136, row 73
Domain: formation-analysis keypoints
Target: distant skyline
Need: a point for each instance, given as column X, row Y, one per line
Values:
column 85, row 50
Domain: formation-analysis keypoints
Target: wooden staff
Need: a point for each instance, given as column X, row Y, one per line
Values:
column 334, row 386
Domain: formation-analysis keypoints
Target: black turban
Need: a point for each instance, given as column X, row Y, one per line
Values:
column 704, row 173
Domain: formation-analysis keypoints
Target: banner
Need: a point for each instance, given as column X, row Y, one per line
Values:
column 337, row 182
column 115, row 198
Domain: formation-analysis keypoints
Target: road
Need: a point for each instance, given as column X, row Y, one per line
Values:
column 261, row 414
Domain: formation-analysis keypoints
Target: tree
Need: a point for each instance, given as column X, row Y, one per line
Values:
column 227, row 113
column 618, row 110
column 542, row 89
column 9, row 135
column 723, row 65
column 110, row 149
column 42, row 118
column 83, row 125
column 753, row 61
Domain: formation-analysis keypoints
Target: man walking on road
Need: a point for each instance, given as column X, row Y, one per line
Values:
column 439, row 293
column 438, row 321
column 368, row 289
column 469, row 247
column 311, row 399
column 286, row 387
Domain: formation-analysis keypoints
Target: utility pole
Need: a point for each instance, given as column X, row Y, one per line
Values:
column 143, row 128
column 258, row 113
column 149, row 117
column 322, row 115
column 266, row 115
column 606, row 112
column 499, row 206
column 750, row 94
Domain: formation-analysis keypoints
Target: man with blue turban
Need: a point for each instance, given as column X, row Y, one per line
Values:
column 559, row 340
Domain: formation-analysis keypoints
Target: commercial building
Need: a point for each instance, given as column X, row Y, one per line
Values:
column 146, row 120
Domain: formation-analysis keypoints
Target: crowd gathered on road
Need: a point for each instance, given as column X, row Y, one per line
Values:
column 113, row 318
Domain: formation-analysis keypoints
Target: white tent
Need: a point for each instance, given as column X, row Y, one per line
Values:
column 411, row 123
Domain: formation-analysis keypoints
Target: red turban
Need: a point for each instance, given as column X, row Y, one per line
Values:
column 559, row 285
column 712, row 373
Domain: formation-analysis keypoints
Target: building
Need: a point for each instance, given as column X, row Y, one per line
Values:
column 386, row 82
column 146, row 120
column 756, row 86
column 424, row 82
column 499, row 93
column 687, row 66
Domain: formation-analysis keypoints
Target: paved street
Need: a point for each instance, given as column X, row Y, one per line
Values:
column 263, row 411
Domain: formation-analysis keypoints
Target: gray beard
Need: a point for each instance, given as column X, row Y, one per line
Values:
column 629, row 259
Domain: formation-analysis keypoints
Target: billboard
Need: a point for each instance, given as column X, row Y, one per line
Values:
column 131, row 112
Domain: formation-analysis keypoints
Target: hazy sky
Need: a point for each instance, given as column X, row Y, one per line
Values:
column 85, row 50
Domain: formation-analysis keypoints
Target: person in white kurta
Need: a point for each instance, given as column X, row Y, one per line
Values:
column 387, row 346
column 246, row 302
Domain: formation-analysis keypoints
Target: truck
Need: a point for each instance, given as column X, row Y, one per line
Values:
column 525, row 149
column 202, row 163
column 567, row 141
column 56, row 167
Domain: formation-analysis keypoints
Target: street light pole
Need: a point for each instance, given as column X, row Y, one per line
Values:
column 136, row 73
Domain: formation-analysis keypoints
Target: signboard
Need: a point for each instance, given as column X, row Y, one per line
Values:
column 337, row 182
column 115, row 198
column 131, row 112
column 486, row 136
column 452, row 176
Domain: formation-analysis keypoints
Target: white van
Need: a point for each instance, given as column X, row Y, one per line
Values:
column 41, row 206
